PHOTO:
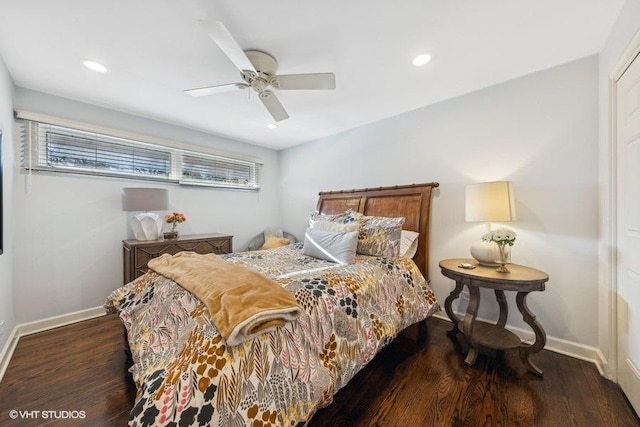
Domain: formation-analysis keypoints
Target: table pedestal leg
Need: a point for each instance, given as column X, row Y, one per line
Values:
column 467, row 325
column 541, row 336
column 504, row 308
column 447, row 307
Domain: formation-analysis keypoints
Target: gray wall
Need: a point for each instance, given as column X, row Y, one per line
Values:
column 539, row 131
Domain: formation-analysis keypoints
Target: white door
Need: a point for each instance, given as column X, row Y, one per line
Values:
column 628, row 234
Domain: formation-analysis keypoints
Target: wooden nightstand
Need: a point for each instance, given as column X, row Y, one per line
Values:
column 137, row 253
column 477, row 333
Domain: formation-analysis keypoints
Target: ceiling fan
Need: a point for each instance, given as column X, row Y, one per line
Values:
column 258, row 71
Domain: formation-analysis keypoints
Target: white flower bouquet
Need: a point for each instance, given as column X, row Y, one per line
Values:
column 502, row 236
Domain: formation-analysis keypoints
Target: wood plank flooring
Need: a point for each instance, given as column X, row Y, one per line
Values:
column 413, row 382
column 80, row 367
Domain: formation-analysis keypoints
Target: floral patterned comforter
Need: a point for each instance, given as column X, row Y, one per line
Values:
column 186, row 374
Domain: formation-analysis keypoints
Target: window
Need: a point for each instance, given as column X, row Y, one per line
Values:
column 200, row 169
column 49, row 147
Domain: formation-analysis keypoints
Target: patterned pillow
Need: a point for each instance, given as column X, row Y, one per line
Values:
column 379, row 236
column 337, row 218
column 335, row 227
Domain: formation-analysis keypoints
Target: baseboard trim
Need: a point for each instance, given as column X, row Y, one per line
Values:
column 557, row 345
column 29, row 328
column 7, row 351
column 57, row 321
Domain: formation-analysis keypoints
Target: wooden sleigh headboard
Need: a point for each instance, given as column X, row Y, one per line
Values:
column 410, row 201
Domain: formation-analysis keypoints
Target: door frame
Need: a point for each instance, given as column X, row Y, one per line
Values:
column 609, row 241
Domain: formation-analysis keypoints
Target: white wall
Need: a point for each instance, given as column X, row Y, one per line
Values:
column 6, row 259
column 539, row 131
column 623, row 31
column 69, row 229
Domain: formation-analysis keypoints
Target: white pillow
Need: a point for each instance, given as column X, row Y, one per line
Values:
column 408, row 243
column 335, row 247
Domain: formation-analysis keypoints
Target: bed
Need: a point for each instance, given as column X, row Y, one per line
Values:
column 187, row 373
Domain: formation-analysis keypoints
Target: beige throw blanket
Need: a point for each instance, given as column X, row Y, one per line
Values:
column 242, row 303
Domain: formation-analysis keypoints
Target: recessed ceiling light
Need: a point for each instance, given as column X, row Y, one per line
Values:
column 94, row 66
column 272, row 126
column 421, row 60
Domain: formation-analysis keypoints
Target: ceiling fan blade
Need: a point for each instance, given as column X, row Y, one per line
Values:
column 210, row 90
column 305, row 81
column 225, row 41
column 273, row 105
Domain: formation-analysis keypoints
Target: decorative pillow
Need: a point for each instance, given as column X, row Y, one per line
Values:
column 352, row 216
column 335, row 227
column 408, row 243
column 275, row 242
column 379, row 235
column 337, row 218
column 336, row 247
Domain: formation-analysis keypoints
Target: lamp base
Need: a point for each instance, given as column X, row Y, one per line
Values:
column 486, row 253
column 146, row 226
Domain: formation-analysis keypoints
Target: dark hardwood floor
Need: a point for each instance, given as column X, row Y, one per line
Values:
column 76, row 375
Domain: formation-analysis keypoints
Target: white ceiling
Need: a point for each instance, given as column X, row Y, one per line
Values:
column 155, row 49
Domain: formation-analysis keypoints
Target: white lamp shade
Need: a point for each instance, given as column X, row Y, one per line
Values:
column 490, row 202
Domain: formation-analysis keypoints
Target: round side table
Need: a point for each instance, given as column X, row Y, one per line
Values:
column 520, row 279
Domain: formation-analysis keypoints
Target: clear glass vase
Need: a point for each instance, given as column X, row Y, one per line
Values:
column 504, row 255
column 173, row 231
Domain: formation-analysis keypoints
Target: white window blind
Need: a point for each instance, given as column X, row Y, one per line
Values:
column 49, row 147
column 202, row 169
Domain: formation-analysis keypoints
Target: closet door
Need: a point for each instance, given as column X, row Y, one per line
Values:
column 628, row 234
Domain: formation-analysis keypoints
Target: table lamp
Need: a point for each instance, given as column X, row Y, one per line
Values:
column 146, row 225
column 489, row 202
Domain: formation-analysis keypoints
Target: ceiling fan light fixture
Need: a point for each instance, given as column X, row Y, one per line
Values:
column 422, row 59
column 94, row 66
column 258, row 70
